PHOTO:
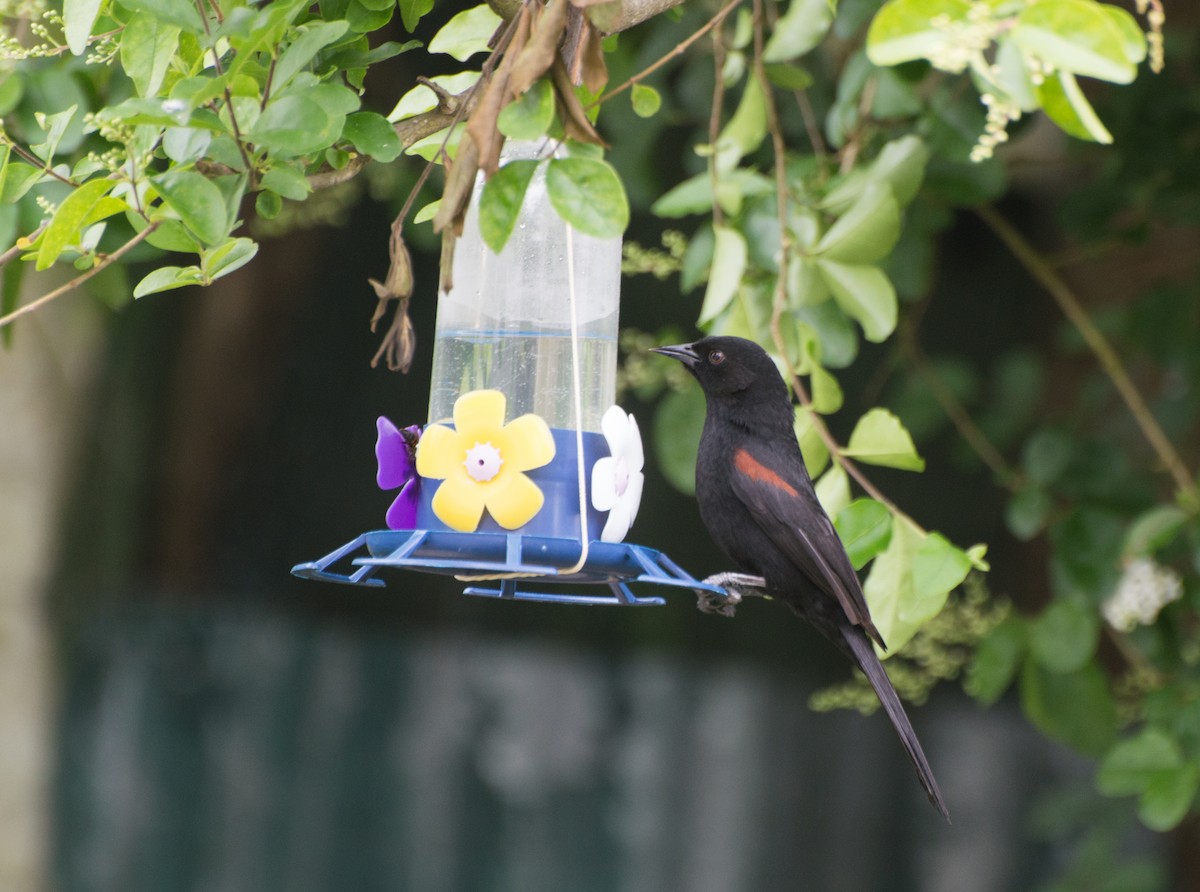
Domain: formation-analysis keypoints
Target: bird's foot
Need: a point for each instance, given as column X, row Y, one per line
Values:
column 736, row 585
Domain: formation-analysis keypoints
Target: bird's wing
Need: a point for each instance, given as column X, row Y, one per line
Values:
column 781, row 500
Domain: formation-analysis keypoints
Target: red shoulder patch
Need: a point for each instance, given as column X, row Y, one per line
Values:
column 747, row 464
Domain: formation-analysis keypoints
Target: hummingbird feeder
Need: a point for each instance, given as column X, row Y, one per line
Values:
column 527, row 477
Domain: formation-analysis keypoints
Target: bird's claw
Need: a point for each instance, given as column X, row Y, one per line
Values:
column 736, row 585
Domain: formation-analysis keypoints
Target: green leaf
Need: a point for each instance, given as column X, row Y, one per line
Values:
column 1152, row 530
column 18, row 178
column 350, row 57
column 428, row 212
column 421, row 99
column 371, row 134
column 867, row 232
column 531, row 115
column 900, row 166
column 879, row 438
column 1063, row 101
column 198, row 203
column 430, row 148
column 12, row 89
column 745, row 131
column 147, row 47
column 812, row 447
column 365, row 20
column 1168, row 798
column 833, row 490
column 1152, row 767
column 467, row 33
column 336, row 99
column 826, row 393
column 171, row 235
column 1075, row 36
column 78, row 18
column 1133, row 762
column 695, row 195
column 167, row 278
column 310, row 40
column 1131, row 33
column 1046, row 455
column 500, row 202
column 181, row 13
column 412, row 11
column 865, row 528
column 1073, row 707
column 589, row 195
column 292, row 126
column 697, row 259
column 1026, row 512
column 799, row 30
column 268, row 204
column 64, row 227
column 233, row 254
column 905, row 30
column 728, row 266
column 805, row 285
column 996, row 661
column 186, row 145
column 677, row 426
column 889, row 588
column 938, row 568
column 864, row 293
column 287, row 181
column 788, row 77
column 55, row 127
column 646, row 100
column 106, row 207
column 1064, row 637
column 827, row 396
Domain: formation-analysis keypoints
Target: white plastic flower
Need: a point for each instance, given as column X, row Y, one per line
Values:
column 617, row 478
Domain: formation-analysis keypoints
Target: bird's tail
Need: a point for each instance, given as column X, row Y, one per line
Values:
column 864, row 653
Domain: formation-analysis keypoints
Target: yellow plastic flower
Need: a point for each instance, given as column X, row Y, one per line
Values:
column 481, row 461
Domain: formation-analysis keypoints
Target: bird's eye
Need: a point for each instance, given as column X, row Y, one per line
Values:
column 716, row 357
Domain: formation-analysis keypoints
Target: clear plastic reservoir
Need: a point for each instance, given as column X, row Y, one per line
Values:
column 506, row 322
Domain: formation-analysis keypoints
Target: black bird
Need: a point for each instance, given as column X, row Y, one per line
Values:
column 759, row 505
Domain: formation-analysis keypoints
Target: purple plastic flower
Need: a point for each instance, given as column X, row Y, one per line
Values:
column 395, row 450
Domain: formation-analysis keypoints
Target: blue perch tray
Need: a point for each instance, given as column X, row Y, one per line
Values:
column 526, row 563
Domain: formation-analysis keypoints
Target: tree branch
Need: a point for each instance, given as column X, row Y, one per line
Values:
column 609, row 18
column 109, row 260
column 1045, row 276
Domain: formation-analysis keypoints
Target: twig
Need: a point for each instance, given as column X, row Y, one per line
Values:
column 1045, row 275
column 957, row 413
column 35, row 161
column 677, row 51
column 811, row 125
column 854, row 146
column 109, row 260
column 329, row 178
column 714, row 121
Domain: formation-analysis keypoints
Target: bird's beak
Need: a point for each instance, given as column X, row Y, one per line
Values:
column 685, row 353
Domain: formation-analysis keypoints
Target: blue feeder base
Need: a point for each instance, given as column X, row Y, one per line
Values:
column 520, row 561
